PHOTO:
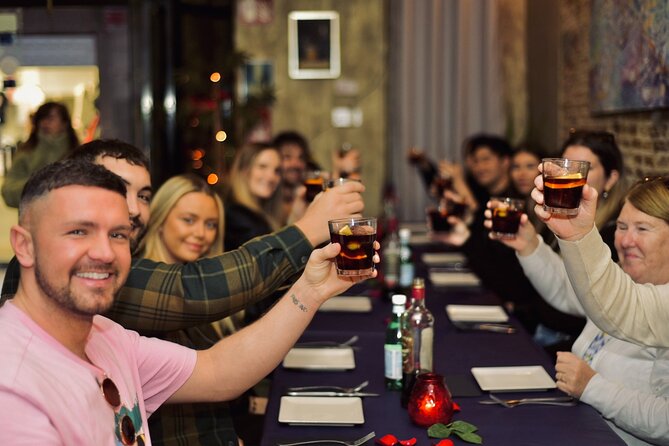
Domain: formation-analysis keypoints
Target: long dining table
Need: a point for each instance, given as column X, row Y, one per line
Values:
column 455, row 353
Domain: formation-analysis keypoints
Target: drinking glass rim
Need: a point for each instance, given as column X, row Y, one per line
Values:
column 355, row 220
column 515, row 200
column 543, row 160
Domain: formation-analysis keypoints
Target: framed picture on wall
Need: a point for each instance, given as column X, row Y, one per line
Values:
column 313, row 45
column 256, row 79
column 629, row 52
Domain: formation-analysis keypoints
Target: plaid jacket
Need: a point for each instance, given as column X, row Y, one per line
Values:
column 159, row 298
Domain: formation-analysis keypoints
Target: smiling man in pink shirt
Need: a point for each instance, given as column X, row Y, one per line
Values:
column 70, row 376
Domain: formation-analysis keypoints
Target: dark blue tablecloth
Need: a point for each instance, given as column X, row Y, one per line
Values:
column 455, row 353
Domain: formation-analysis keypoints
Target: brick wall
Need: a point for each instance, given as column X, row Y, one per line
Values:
column 642, row 136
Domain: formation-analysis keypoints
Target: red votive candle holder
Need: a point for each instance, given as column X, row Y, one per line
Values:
column 430, row 401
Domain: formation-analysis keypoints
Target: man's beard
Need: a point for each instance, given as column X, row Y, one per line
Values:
column 136, row 237
column 64, row 296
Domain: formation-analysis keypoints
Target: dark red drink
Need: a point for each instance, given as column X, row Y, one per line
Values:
column 439, row 219
column 314, row 187
column 357, row 250
column 505, row 221
column 438, row 216
column 442, row 184
column 563, row 193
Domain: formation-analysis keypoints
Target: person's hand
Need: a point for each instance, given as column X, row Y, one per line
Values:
column 569, row 228
column 526, row 238
column 572, row 374
column 343, row 201
column 457, row 236
column 451, row 170
column 320, row 273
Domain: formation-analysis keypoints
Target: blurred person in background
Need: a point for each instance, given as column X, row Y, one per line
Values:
column 51, row 139
column 296, row 159
column 253, row 194
column 496, row 264
column 346, row 162
column 187, row 224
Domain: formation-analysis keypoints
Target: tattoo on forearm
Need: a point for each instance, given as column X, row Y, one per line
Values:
column 298, row 304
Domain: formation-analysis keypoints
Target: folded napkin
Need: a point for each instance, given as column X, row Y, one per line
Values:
column 454, row 279
column 443, row 258
column 350, row 304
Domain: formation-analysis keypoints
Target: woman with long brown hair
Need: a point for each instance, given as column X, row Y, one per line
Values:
column 51, row 139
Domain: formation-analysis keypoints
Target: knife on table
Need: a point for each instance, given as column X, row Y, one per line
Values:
column 486, row 326
column 325, row 393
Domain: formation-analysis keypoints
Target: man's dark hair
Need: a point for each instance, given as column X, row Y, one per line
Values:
column 69, row 172
column 113, row 148
column 292, row 137
column 497, row 145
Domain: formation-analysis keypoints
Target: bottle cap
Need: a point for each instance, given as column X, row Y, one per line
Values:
column 405, row 233
column 399, row 299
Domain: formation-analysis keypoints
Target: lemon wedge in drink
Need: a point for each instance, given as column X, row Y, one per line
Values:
column 346, row 230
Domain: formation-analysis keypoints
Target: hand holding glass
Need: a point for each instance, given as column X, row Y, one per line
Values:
column 563, row 184
column 506, row 213
column 356, row 237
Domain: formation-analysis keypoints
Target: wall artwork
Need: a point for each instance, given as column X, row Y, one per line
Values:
column 629, row 52
column 313, row 45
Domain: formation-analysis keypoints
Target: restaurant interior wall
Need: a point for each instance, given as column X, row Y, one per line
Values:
column 642, row 136
column 306, row 104
column 89, row 79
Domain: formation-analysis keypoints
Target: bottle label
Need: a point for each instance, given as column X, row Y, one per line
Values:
column 426, row 341
column 393, row 361
column 406, row 274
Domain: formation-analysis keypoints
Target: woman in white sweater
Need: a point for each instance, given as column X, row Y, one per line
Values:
column 627, row 383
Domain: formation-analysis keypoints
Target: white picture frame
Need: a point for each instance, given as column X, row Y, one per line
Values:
column 313, row 45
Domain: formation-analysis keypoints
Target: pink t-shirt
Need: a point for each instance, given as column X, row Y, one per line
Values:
column 49, row 396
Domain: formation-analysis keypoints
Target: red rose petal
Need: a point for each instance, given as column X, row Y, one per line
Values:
column 387, row 440
column 409, row 442
column 445, row 442
column 456, row 407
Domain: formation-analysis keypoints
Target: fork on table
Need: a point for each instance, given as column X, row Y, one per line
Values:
column 358, row 442
column 550, row 401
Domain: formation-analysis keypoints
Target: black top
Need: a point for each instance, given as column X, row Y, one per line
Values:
column 242, row 224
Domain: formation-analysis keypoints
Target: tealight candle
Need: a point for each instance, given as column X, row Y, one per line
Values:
column 430, row 401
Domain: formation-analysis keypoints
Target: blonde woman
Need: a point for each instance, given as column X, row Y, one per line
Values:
column 253, row 196
column 186, row 223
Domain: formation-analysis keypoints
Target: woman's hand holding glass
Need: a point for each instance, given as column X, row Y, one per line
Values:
column 526, row 238
column 570, row 228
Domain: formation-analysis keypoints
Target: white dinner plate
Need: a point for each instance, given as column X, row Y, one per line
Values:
column 443, row 258
column 315, row 410
column 476, row 313
column 351, row 304
column 340, row 358
column 455, row 279
column 502, row 379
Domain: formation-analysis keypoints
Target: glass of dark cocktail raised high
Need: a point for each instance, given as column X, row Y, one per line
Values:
column 356, row 237
column 506, row 213
column 563, row 184
column 313, row 181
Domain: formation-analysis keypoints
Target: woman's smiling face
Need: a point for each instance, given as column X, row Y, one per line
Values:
column 264, row 175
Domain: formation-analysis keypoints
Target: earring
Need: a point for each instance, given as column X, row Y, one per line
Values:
column 605, row 194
